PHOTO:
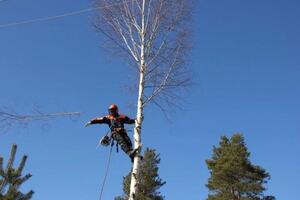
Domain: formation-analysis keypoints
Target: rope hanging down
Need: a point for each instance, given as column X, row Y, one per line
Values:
column 106, row 172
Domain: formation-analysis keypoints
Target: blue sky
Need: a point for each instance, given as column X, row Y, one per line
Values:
column 246, row 61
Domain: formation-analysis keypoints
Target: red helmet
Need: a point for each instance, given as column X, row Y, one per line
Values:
column 113, row 109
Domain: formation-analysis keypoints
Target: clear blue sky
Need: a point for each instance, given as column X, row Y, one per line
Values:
column 246, row 61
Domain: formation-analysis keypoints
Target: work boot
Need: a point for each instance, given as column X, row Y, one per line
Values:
column 132, row 153
column 131, row 158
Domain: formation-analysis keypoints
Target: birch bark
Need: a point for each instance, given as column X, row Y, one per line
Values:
column 153, row 37
column 139, row 116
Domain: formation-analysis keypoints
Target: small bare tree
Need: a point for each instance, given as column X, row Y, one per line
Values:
column 153, row 34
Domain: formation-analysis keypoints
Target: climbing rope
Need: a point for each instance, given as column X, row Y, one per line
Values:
column 106, row 172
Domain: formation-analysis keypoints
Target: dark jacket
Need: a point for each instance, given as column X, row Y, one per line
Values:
column 113, row 121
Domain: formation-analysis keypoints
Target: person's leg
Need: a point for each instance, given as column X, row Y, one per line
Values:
column 127, row 140
column 123, row 142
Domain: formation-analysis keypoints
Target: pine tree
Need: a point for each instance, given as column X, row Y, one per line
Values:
column 233, row 176
column 149, row 180
column 11, row 179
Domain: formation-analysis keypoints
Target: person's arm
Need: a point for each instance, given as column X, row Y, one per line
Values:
column 98, row 120
column 128, row 120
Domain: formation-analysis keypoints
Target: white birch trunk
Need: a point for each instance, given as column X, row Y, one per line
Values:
column 139, row 117
column 154, row 34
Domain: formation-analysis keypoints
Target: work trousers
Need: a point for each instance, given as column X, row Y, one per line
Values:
column 122, row 139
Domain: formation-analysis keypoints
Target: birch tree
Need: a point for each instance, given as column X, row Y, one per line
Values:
column 153, row 36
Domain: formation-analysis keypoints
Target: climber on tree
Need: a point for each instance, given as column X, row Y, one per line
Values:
column 116, row 122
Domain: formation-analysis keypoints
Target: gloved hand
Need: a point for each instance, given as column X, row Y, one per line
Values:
column 87, row 124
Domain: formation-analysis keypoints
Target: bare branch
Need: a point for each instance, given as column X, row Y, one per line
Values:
column 155, row 34
column 165, row 39
column 9, row 117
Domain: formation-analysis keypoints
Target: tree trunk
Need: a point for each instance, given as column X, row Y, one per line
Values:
column 139, row 116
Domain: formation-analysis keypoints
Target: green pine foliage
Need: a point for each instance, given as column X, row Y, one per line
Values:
column 233, row 176
column 149, row 180
column 11, row 179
